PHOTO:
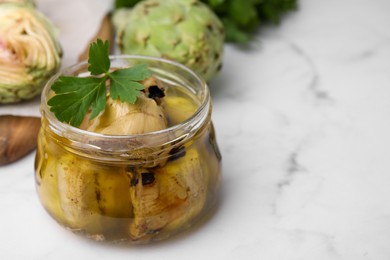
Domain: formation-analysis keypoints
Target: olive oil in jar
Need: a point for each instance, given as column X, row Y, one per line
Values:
column 116, row 188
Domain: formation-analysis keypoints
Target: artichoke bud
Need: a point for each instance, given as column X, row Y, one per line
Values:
column 186, row 31
column 30, row 52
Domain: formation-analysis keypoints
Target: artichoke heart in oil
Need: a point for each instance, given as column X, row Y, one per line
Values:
column 156, row 192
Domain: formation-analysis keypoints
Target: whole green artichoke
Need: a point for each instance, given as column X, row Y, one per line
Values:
column 29, row 52
column 186, row 31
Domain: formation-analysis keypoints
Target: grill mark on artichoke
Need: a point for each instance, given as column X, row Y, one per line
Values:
column 133, row 182
column 176, row 153
column 147, row 178
column 98, row 194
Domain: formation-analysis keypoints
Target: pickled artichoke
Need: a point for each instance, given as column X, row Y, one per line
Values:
column 167, row 197
column 29, row 52
column 121, row 118
column 86, row 192
column 127, row 201
column 185, row 31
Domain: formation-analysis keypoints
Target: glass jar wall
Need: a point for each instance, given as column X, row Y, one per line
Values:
column 136, row 188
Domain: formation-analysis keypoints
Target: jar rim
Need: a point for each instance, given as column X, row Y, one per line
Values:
column 184, row 126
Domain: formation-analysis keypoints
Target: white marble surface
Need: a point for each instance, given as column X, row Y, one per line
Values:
column 303, row 123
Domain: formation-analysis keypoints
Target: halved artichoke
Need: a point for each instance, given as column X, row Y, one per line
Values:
column 29, row 52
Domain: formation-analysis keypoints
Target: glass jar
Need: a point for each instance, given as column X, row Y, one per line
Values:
column 136, row 188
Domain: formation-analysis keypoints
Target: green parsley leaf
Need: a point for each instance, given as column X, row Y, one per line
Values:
column 75, row 96
column 124, row 93
column 99, row 102
column 136, row 73
column 98, row 57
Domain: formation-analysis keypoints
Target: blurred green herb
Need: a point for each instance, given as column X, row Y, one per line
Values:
column 241, row 18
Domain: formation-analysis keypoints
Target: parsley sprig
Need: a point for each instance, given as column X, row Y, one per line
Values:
column 75, row 96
